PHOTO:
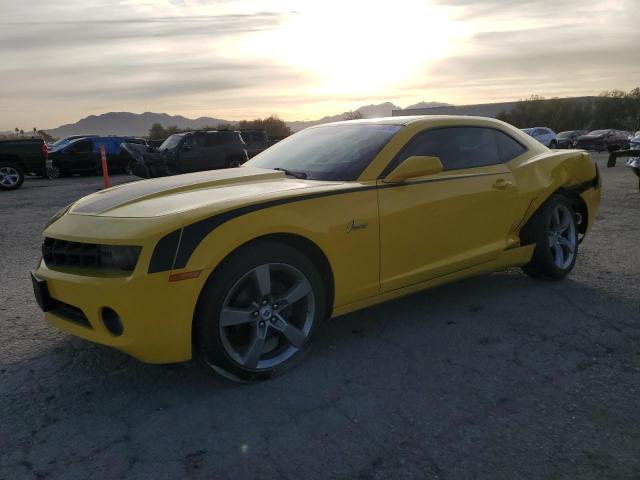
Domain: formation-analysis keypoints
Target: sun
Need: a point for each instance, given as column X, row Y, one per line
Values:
column 360, row 47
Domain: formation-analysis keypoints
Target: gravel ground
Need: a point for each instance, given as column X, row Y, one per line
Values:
column 500, row 376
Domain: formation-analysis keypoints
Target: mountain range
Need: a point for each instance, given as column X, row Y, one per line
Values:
column 138, row 124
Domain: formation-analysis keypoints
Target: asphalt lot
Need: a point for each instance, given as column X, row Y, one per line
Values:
column 500, row 376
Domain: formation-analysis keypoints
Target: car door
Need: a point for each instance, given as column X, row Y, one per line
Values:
column 455, row 219
column 217, row 148
column 192, row 153
column 80, row 157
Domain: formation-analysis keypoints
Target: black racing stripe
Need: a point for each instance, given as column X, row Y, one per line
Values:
column 164, row 253
column 193, row 234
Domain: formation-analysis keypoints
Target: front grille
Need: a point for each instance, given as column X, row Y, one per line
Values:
column 62, row 253
column 70, row 313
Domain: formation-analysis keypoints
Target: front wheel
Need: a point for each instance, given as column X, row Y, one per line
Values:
column 11, row 176
column 553, row 144
column 554, row 232
column 257, row 313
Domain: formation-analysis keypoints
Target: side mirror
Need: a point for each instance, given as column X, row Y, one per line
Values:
column 414, row 167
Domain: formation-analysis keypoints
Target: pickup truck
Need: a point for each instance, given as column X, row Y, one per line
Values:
column 19, row 157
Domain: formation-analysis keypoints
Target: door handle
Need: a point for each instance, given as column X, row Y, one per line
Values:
column 501, row 184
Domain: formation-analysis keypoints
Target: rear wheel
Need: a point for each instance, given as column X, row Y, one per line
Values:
column 233, row 162
column 553, row 230
column 11, row 176
column 257, row 313
column 54, row 171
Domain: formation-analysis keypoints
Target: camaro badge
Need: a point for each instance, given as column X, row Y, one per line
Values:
column 352, row 225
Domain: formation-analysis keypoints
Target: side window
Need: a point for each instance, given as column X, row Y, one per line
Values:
column 508, row 148
column 457, row 147
column 214, row 140
column 199, row 141
column 83, row 147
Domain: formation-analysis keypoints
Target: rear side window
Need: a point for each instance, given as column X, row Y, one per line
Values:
column 463, row 147
column 217, row 139
column 508, row 148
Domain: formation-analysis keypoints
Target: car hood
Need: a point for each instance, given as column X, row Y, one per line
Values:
column 214, row 190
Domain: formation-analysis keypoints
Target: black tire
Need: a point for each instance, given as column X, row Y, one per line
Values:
column 553, row 144
column 11, row 176
column 55, row 172
column 233, row 162
column 554, row 260
column 218, row 344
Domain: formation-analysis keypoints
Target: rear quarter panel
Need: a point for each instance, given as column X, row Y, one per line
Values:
column 538, row 177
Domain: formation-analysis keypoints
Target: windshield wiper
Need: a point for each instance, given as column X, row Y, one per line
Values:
column 291, row 173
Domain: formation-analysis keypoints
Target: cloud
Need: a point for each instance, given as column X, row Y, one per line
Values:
column 50, row 35
column 65, row 59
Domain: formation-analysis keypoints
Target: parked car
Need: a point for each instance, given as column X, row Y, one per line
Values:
column 256, row 141
column 82, row 155
column 603, row 140
column 19, row 157
column 544, row 135
column 634, row 152
column 189, row 152
column 568, row 138
column 242, row 264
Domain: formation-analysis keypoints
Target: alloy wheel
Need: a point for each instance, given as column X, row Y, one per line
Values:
column 562, row 236
column 9, row 176
column 267, row 316
column 54, row 172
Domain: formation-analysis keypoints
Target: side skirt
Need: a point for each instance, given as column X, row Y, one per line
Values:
column 513, row 257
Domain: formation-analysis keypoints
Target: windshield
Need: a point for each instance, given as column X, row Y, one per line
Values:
column 335, row 152
column 567, row 134
column 63, row 142
column 599, row 132
column 171, row 142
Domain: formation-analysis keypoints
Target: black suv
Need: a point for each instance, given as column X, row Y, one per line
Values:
column 188, row 152
column 256, row 140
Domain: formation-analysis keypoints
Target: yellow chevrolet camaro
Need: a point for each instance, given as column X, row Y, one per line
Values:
column 242, row 264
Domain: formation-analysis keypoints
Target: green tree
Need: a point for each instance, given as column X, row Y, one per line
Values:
column 157, row 132
column 352, row 115
column 273, row 125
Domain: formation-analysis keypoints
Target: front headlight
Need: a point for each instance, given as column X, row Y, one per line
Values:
column 57, row 215
column 120, row 257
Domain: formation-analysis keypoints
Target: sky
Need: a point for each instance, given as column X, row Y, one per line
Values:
column 301, row 59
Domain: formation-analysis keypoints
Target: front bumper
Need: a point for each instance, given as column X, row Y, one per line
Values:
column 156, row 314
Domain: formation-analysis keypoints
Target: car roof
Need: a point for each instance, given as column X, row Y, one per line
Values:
column 419, row 119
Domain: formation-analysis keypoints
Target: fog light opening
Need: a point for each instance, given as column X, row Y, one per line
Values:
column 112, row 321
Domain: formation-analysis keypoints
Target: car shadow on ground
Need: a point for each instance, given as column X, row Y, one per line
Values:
column 433, row 366
column 434, row 322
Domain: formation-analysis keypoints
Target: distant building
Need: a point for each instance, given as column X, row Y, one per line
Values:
column 479, row 110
